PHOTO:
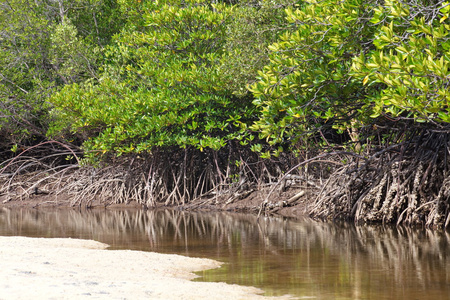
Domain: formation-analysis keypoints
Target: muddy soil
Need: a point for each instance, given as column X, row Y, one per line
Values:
column 250, row 204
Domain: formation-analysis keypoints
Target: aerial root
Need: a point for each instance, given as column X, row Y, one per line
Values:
column 166, row 177
column 409, row 186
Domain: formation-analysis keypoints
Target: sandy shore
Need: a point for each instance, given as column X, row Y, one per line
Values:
column 38, row 268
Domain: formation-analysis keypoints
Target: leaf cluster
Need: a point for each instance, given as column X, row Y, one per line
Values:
column 350, row 64
column 410, row 62
column 160, row 85
column 308, row 82
column 45, row 45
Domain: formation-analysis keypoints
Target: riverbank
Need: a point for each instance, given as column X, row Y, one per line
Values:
column 38, row 268
column 281, row 203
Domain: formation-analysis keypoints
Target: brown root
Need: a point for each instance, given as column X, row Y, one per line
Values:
column 408, row 184
column 167, row 177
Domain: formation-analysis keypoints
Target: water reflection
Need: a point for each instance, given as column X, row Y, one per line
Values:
column 305, row 258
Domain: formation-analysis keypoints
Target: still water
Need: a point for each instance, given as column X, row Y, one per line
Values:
column 304, row 258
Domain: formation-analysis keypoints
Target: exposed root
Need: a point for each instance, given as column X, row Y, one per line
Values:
column 268, row 205
column 405, row 183
column 409, row 184
column 167, row 177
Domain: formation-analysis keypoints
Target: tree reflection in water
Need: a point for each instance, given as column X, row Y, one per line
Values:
column 300, row 257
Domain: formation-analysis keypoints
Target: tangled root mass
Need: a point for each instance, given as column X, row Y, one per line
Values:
column 406, row 183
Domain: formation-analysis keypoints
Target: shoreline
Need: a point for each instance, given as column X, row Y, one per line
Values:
column 64, row 268
column 250, row 204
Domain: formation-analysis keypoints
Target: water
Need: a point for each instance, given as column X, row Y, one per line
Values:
column 282, row 256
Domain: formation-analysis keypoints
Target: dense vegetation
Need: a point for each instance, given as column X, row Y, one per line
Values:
column 209, row 98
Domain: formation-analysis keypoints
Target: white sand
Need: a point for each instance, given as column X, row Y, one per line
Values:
column 38, row 268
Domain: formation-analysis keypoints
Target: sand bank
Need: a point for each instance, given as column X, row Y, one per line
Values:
column 38, row 268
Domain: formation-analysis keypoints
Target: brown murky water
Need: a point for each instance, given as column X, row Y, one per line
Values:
column 298, row 257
